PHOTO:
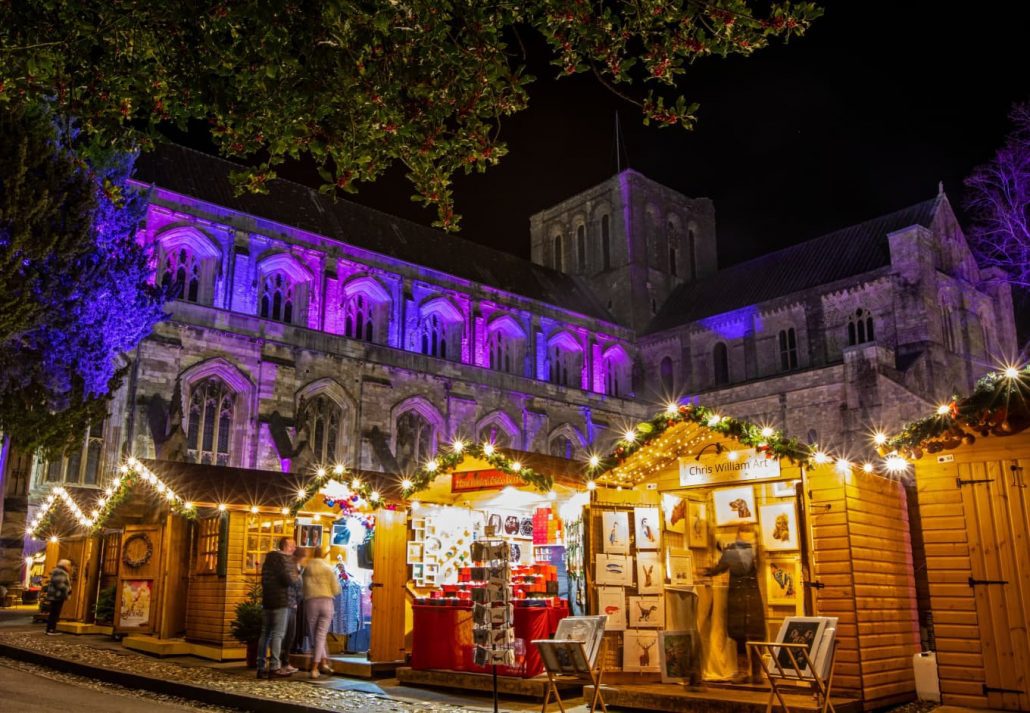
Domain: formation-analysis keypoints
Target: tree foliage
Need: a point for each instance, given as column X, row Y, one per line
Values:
column 359, row 86
column 74, row 292
column 998, row 200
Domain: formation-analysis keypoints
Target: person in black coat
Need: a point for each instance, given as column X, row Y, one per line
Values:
column 57, row 592
column 278, row 574
column 745, row 611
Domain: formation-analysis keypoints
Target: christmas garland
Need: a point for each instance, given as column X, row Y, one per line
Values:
column 997, row 406
column 449, row 459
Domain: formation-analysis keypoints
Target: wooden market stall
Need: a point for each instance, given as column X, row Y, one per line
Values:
column 972, row 473
column 827, row 539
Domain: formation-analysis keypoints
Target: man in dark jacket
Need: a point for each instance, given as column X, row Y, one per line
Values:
column 57, row 592
column 277, row 575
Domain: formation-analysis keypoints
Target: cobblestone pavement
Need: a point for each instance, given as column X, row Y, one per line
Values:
column 344, row 701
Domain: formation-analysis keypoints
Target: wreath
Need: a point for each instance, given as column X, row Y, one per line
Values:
column 133, row 561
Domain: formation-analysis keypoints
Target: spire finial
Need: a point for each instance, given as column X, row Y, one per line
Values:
column 940, row 188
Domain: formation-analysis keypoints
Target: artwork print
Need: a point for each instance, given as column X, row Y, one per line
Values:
column 640, row 651
column 614, row 570
column 675, row 650
column 414, row 552
column 134, row 609
column 680, row 567
column 310, row 536
column 615, row 531
column 650, row 576
column 588, row 629
column 611, row 602
column 646, row 612
column 807, row 630
column 782, row 581
column 735, row 506
column 674, row 509
column 779, row 524
column 647, row 528
column 697, row 524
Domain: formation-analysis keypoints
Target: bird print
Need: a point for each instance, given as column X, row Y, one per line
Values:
column 783, row 578
column 647, row 530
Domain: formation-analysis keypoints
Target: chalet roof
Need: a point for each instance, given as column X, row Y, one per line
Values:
column 835, row 256
column 199, row 175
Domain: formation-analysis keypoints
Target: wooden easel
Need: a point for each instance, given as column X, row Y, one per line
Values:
column 593, row 676
column 779, row 673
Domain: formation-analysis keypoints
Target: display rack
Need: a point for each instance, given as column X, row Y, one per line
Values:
column 493, row 629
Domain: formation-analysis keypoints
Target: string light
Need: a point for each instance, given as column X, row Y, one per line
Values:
column 338, row 469
column 301, row 493
column 767, row 432
column 406, row 484
column 458, row 446
column 285, row 511
column 591, row 485
column 355, row 484
column 374, row 495
column 595, row 461
column 714, row 421
column 320, row 472
column 867, row 467
column 254, row 509
column 488, row 449
column 820, row 457
column 188, row 505
column 732, row 455
column 879, row 438
column 1011, row 372
column 630, row 435
column 516, row 466
column 432, row 465
column 671, row 408
column 842, row 465
column 222, row 507
column 53, row 538
column 895, row 463
column 943, row 410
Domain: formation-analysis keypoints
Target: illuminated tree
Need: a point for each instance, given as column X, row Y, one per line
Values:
column 74, row 292
column 358, row 86
column 999, row 203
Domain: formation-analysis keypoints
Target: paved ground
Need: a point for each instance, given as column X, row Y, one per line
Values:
column 335, row 693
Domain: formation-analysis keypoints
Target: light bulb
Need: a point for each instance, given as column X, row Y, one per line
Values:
column 595, row 461
column 254, row 509
column 591, row 485
column 1011, row 372
column 458, row 445
column 222, row 507
column 630, row 435
column 821, row 457
column 406, row 484
column 879, row 438
column 320, row 472
column 671, row 409
column 516, row 466
column 432, row 465
column 338, row 469
column 488, row 449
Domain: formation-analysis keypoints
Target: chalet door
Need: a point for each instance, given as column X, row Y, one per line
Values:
column 77, row 551
column 137, row 595
column 995, row 499
column 389, row 582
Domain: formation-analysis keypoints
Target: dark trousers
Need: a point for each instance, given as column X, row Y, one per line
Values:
column 289, row 637
column 54, row 615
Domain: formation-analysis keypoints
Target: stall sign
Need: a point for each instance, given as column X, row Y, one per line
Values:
column 748, row 465
column 473, row 480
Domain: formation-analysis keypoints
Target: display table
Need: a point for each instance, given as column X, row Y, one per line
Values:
column 442, row 638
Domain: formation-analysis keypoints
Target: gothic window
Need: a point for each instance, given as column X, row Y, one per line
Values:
column 563, row 366
column 277, row 297
column 434, row 336
column 691, row 253
column 606, row 243
column 359, row 318
column 788, row 349
column 210, row 421
column 672, row 260
column 721, row 364
column 558, row 253
column 81, row 463
column 672, row 237
column 325, row 416
column 415, row 440
column 440, row 330
column 860, row 327
column 181, row 273
column 496, row 435
column 505, row 351
column 665, row 372
column 581, row 246
column 616, row 374
column 562, row 447
column 948, row 328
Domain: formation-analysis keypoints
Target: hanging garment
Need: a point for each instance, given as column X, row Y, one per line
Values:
column 745, row 612
column 347, row 608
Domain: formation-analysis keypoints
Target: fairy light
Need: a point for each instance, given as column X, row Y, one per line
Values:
column 671, row 408
column 767, row 432
column 108, row 492
column 254, row 509
column 895, row 464
column 222, row 507
column 188, row 505
column 516, row 466
column 432, row 465
column 714, row 420
column 488, row 449
column 355, row 484
column 284, row 511
column 879, row 438
column 301, row 493
column 458, row 446
column 320, row 472
column 943, row 410
column 732, row 455
column 374, row 495
column 867, row 467
column 406, row 484
column 591, row 485
column 171, row 497
column 842, row 465
column 1011, row 372
column 338, row 469
column 820, row 457
column 630, row 435
column 595, row 461
column 53, row 538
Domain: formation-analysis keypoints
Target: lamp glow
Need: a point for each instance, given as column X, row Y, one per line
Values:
column 516, row 466
column 895, row 464
column 338, row 469
column 767, row 432
column 301, row 492
column 222, row 507
column 630, row 435
column 285, row 511
column 488, row 449
column 320, row 472
column 821, row 457
column 595, row 461
column 843, row 466
column 591, row 485
column 254, row 509
column 374, row 495
column 432, row 465
column 458, row 446
column 879, row 438
column 671, row 408
column 406, row 484
column 355, row 484
column 53, row 538
column 943, row 410
column 1011, row 372
column 188, row 505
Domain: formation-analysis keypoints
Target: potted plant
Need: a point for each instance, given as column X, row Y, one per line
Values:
column 246, row 627
column 103, row 613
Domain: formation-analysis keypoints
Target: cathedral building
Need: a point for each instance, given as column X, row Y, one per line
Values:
column 386, row 338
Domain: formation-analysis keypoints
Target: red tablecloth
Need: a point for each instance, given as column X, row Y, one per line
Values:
column 442, row 638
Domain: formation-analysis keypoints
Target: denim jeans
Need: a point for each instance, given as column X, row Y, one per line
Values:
column 273, row 627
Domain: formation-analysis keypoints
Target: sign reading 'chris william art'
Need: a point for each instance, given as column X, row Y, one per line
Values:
column 730, row 467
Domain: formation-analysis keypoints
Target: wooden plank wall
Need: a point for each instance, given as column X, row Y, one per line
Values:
column 979, row 531
column 862, row 555
column 213, row 599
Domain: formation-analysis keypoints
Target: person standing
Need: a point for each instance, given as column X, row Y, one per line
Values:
column 277, row 575
column 293, row 598
column 57, row 592
column 321, row 585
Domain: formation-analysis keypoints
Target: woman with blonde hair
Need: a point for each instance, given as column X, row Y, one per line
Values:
column 321, row 586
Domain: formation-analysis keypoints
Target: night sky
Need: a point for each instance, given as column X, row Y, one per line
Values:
column 862, row 116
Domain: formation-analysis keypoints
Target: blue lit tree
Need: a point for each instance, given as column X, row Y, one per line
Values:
column 74, row 289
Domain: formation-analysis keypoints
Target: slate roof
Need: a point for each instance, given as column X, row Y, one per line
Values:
column 843, row 253
column 199, row 175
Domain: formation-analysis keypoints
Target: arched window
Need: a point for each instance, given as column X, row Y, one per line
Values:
column 616, row 373
column 562, row 447
column 277, row 297
column 692, row 253
column 672, row 237
column 210, row 421
column 788, row 349
column 505, row 344
column 665, row 372
column 81, row 462
column 434, row 336
column 359, row 318
column 948, row 328
column 500, row 347
column 416, row 441
column 581, row 246
column 558, row 256
column 440, row 330
column 672, row 260
column 181, row 272
column 324, row 418
column 606, row 243
column 721, row 364
column 860, row 327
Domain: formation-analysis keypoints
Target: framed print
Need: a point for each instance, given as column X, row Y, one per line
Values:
column 414, row 552
column 646, row 612
column 341, row 534
column 135, row 603
column 680, row 566
column 310, row 536
column 676, row 655
column 640, row 651
column 588, row 629
column 566, row 657
column 779, row 525
column 614, row 570
column 417, row 573
column 784, row 488
column 782, row 581
column 650, row 577
column 611, row 602
column 647, row 528
column 807, row 630
column 735, row 506
column 674, row 509
column 615, row 530
column 697, row 524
